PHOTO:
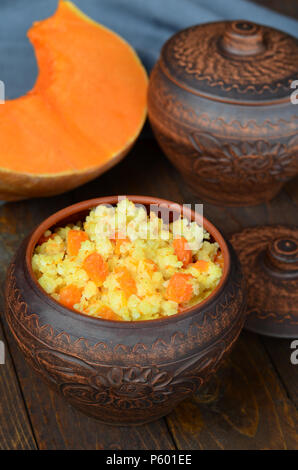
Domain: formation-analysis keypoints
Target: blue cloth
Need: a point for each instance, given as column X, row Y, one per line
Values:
column 146, row 24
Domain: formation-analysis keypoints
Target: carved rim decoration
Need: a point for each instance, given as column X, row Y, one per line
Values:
column 269, row 259
column 76, row 211
column 233, row 61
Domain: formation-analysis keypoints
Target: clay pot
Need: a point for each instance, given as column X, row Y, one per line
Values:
column 269, row 258
column 122, row 372
column 219, row 105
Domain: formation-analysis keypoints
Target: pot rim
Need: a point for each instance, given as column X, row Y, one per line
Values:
column 68, row 211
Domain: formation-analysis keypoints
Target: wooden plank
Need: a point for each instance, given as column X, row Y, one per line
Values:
column 15, row 427
column 280, row 351
column 244, row 407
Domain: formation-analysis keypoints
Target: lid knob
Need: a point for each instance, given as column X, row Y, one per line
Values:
column 281, row 258
column 242, row 38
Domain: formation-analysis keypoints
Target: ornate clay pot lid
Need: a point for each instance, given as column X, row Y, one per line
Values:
column 269, row 258
column 232, row 61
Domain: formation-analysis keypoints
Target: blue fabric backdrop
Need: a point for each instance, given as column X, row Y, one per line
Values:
column 146, row 24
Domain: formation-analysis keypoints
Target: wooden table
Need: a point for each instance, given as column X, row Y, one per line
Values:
column 250, row 404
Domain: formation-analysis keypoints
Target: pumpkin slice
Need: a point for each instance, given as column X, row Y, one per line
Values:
column 86, row 109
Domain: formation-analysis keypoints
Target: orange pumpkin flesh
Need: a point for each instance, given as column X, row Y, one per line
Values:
column 84, row 113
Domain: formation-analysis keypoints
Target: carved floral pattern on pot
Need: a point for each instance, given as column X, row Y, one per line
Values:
column 223, row 167
column 125, row 387
column 133, row 387
column 252, row 162
column 272, row 303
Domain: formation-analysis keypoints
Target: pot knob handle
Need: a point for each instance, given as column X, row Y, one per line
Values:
column 281, row 258
column 242, row 38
